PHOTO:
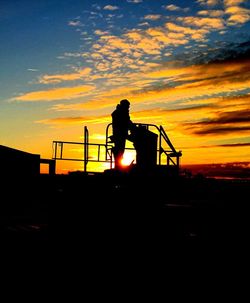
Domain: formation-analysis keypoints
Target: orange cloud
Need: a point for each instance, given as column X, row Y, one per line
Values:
column 208, row 23
column 57, row 94
column 186, row 82
column 238, row 15
column 76, row 120
column 65, row 77
column 211, row 13
column 152, row 17
column 233, row 2
column 153, row 115
column 209, row 2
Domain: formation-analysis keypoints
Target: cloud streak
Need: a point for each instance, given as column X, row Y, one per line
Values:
column 57, row 78
column 55, row 94
column 225, row 122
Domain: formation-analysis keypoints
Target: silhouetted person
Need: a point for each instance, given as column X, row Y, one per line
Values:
column 121, row 125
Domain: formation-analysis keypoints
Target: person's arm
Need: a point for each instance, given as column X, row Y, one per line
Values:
column 131, row 125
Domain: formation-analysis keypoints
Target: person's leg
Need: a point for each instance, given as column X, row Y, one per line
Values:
column 119, row 149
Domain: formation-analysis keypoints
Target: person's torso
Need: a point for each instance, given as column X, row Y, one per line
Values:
column 120, row 122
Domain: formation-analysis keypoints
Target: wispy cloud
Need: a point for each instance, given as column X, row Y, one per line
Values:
column 177, row 83
column 32, row 69
column 233, row 2
column 75, row 23
column 110, row 7
column 210, row 2
column 152, row 17
column 135, row 1
column 223, row 122
column 233, row 145
column 100, row 32
column 65, row 93
column 172, row 7
column 80, row 74
column 152, row 115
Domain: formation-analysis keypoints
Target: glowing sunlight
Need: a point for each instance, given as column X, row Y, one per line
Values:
column 128, row 158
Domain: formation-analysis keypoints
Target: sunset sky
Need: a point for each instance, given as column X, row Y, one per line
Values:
column 184, row 65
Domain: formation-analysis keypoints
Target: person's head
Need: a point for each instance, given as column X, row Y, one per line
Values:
column 125, row 103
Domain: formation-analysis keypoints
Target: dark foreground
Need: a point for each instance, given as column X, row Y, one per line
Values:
column 124, row 210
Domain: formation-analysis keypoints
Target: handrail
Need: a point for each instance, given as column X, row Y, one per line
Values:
column 167, row 139
column 108, row 146
column 160, row 150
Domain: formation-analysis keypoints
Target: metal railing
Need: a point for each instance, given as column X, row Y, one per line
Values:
column 172, row 156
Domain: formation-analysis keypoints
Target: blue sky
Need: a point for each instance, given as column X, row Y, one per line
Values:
column 183, row 64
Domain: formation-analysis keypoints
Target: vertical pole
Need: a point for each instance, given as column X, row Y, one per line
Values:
column 98, row 153
column 52, row 167
column 55, row 155
column 178, row 161
column 61, row 151
column 160, row 135
column 85, row 144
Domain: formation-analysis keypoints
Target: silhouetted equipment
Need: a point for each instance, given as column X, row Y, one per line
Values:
column 17, row 162
column 145, row 143
column 151, row 144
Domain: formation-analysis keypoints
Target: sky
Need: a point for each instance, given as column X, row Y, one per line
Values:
column 184, row 65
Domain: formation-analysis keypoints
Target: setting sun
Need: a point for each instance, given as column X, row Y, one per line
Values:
column 128, row 158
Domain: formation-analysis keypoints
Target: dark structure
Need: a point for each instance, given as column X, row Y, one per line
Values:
column 145, row 143
column 154, row 151
column 17, row 162
column 14, row 162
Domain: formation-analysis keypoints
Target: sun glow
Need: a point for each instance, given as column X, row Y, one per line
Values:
column 128, row 158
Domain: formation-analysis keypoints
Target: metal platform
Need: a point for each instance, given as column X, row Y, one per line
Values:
column 157, row 150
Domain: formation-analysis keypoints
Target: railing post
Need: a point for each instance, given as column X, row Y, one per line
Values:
column 55, row 153
column 178, row 161
column 160, row 147
column 61, row 151
column 85, row 148
column 108, row 154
